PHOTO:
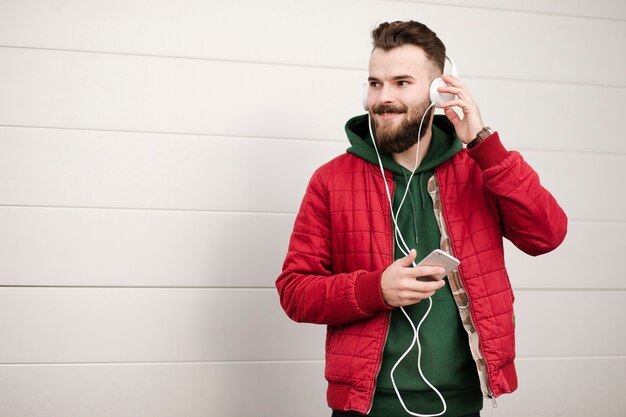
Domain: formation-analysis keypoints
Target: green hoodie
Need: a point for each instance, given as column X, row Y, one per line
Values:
column 446, row 359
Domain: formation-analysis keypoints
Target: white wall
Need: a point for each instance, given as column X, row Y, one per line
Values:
column 153, row 155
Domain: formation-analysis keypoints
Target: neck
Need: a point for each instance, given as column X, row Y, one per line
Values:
column 407, row 158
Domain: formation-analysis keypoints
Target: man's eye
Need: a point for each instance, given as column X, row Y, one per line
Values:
column 374, row 84
column 403, row 83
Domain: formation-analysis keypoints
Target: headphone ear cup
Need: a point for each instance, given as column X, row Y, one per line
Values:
column 437, row 98
column 364, row 96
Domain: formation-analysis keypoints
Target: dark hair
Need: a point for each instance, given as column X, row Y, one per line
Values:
column 388, row 36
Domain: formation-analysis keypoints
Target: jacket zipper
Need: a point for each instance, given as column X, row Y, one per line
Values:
column 380, row 364
column 388, row 319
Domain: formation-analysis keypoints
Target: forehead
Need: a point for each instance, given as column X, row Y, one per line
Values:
column 405, row 59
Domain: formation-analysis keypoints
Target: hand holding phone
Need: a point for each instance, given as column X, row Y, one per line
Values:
column 439, row 258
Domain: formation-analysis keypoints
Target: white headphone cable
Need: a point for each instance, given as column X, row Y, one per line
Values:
column 416, row 340
column 405, row 250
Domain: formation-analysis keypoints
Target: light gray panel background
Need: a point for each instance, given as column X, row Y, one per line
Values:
column 153, row 155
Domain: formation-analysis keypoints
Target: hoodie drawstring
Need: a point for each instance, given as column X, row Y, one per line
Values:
column 413, row 208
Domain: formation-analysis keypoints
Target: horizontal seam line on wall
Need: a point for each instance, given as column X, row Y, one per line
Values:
column 569, row 357
column 141, row 287
column 174, row 210
column 234, row 212
column 518, row 290
column 503, row 9
column 281, row 139
column 537, row 81
column 286, row 64
column 568, row 290
column 242, row 362
column 570, row 152
column 271, row 362
column 174, row 133
column 182, row 57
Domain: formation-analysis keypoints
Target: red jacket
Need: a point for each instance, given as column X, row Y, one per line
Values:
column 342, row 242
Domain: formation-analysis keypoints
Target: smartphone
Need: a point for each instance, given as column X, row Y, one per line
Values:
column 439, row 258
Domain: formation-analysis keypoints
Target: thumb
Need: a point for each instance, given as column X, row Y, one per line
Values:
column 408, row 259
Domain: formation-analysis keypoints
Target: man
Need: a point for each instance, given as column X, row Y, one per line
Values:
column 360, row 229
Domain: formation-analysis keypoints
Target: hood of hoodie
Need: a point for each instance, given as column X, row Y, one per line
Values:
column 443, row 145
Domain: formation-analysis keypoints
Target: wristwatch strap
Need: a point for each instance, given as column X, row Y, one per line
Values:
column 482, row 135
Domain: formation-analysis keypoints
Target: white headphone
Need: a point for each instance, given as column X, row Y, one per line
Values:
column 436, row 97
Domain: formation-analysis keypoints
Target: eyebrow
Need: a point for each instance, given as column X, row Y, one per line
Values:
column 396, row 78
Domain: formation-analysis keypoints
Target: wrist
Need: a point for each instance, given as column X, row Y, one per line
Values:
column 482, row 134
column 489, row 153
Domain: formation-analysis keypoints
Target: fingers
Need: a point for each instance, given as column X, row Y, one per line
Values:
column 403, row 291
column 459, row 92
column 414, row 291
column 469, row 123
column 400, row 285
column 426, row 271
column 453, row 81
column 457, row 88
column 465, row 106
column 465, row 103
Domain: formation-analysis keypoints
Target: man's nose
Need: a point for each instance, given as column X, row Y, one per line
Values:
column 386, row 95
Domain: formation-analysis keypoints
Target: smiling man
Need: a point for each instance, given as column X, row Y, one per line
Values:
column 403, row 339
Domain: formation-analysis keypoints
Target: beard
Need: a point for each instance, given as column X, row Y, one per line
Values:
column 397, row 140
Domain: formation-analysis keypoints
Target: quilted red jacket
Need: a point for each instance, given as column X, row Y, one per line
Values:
column 342, row 242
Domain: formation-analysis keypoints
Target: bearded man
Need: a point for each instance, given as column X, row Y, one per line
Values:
column 370, row 213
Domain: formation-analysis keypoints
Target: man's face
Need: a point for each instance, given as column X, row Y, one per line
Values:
column 399, row 82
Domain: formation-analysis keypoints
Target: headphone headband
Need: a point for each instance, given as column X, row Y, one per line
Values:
column 453, row 70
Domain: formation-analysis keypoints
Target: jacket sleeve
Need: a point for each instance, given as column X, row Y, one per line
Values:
column 308, row 290
column 531, row 217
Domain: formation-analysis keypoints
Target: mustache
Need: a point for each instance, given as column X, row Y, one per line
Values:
column 389, row 109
